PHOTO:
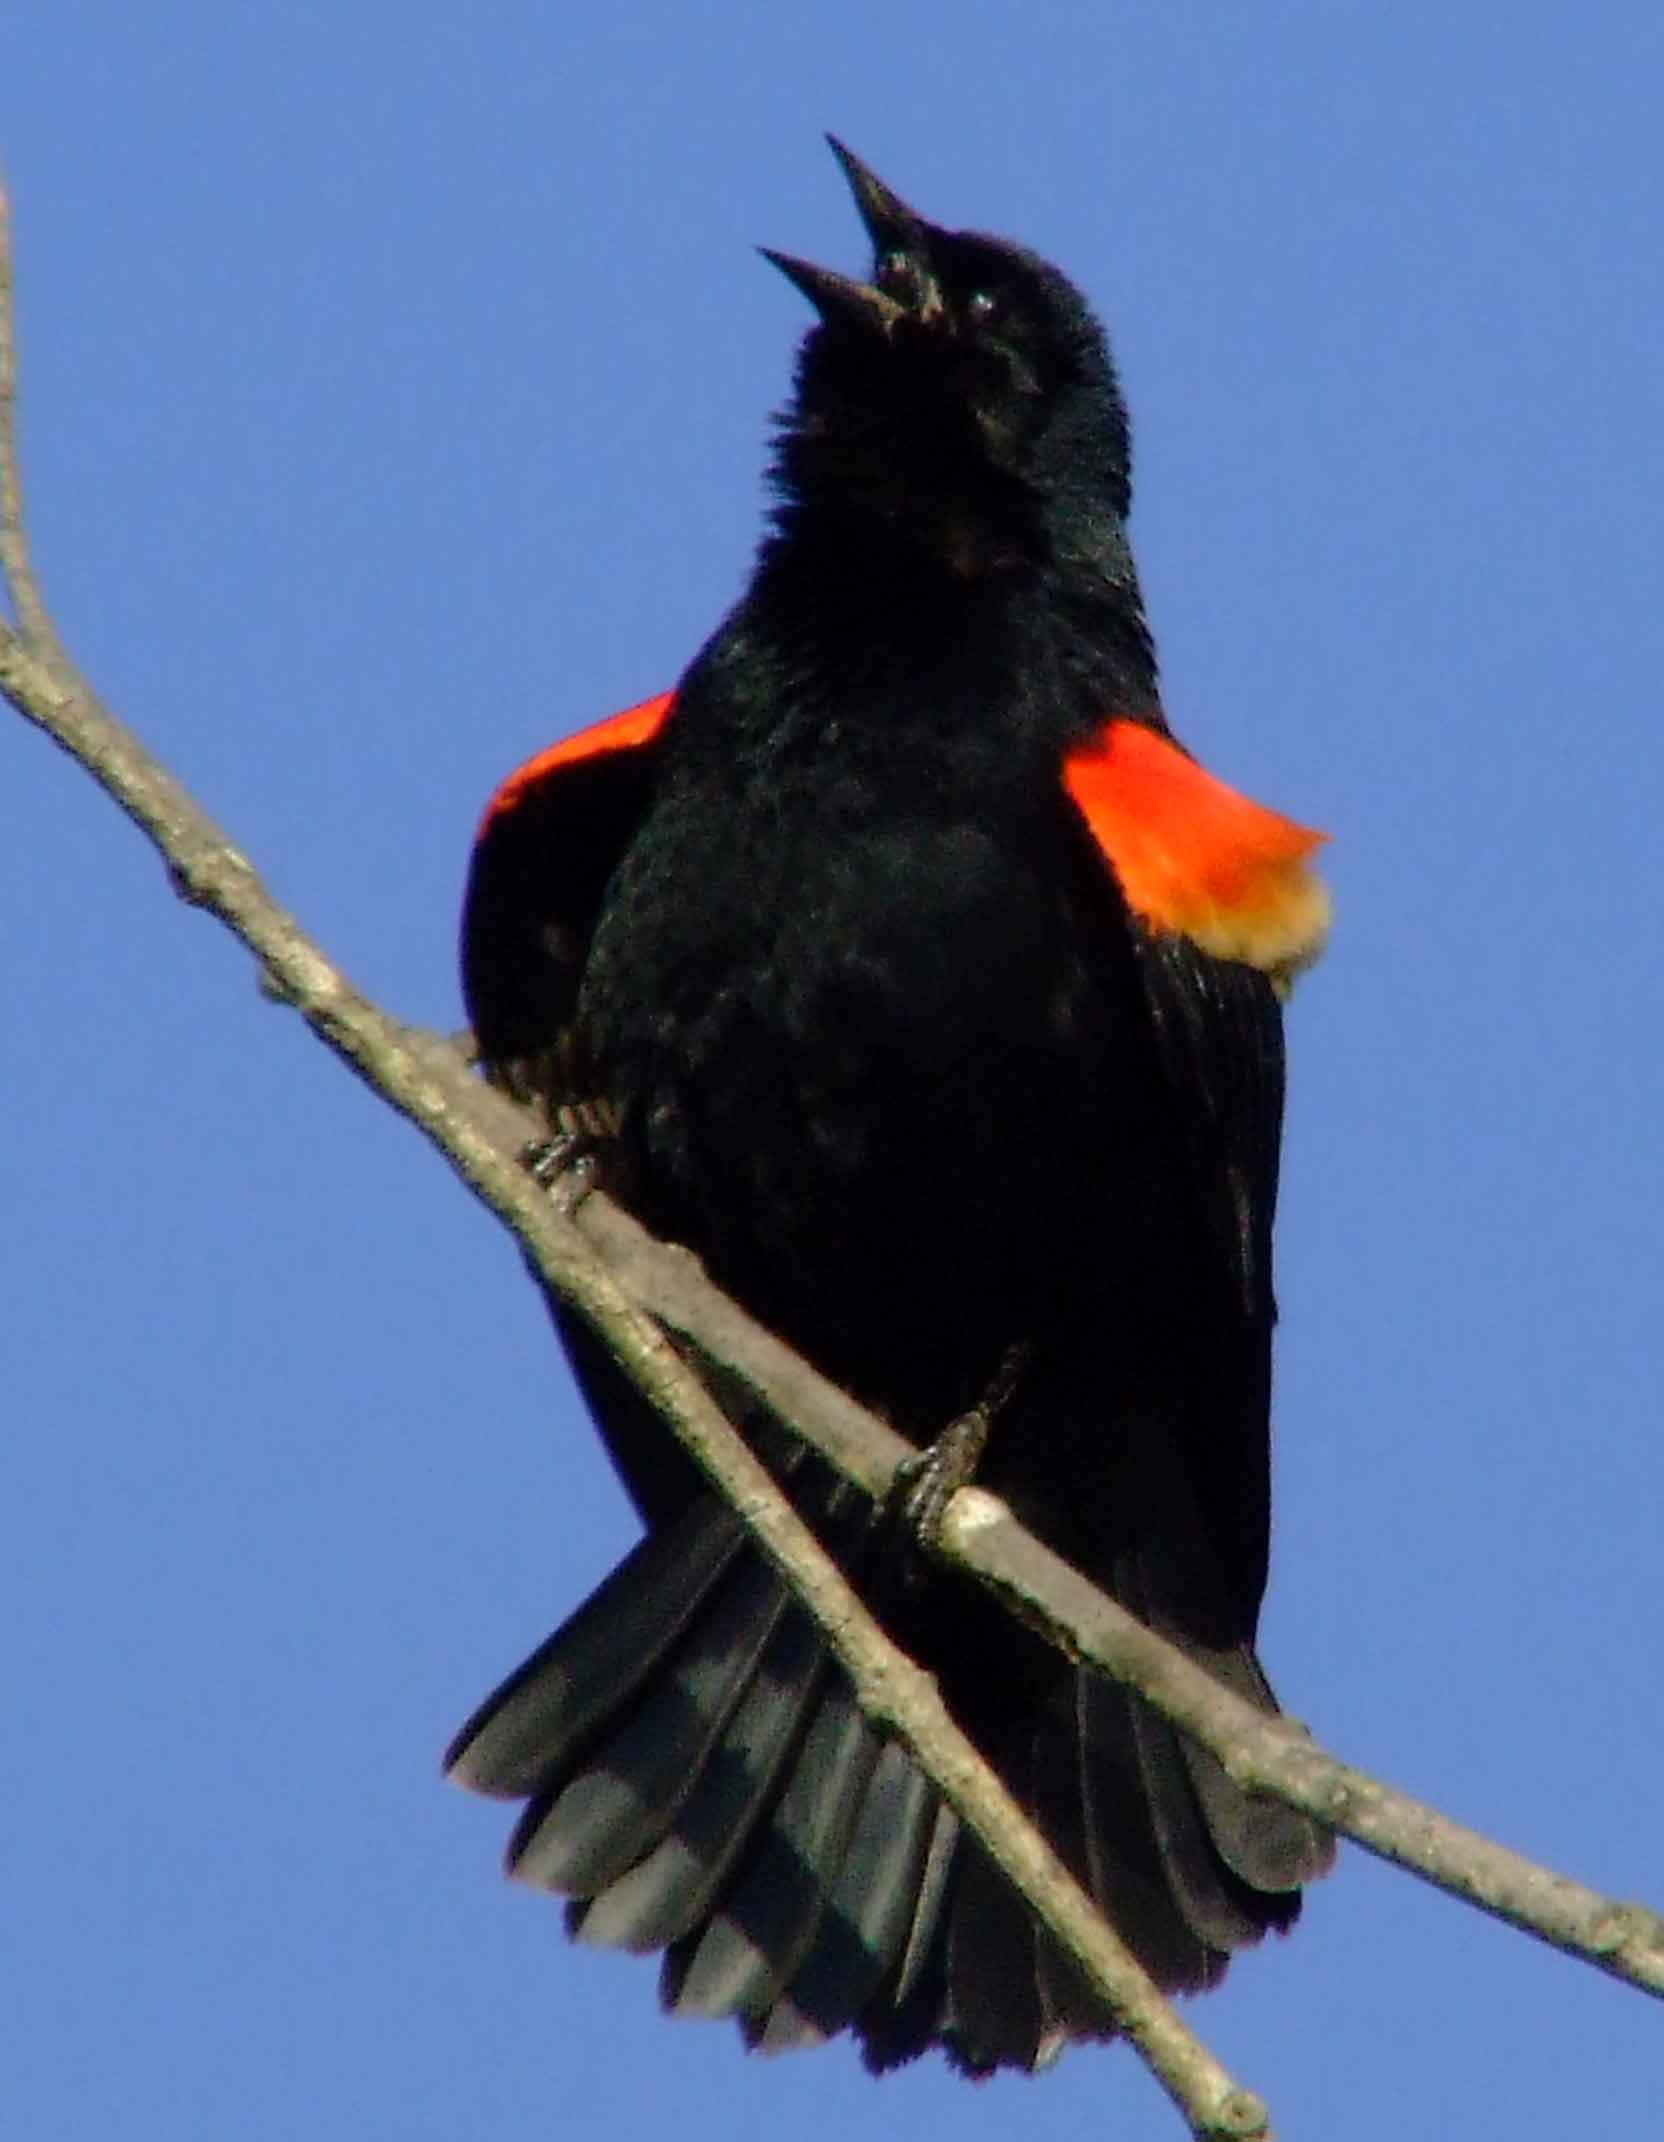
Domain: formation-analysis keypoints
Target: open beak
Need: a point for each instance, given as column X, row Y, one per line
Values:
column 899, row 242
column 838, row 298
column 891, row 224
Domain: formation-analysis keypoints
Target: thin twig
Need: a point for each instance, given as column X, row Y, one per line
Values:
column 15, row 570
column 1276, row 1756
column 1266, row 1754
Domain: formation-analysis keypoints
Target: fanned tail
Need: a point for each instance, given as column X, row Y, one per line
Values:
column 699, row 1780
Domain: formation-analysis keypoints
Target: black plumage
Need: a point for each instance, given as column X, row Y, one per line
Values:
column 875, row 1028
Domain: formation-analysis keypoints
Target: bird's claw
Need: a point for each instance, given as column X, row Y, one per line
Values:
column 564, row 1165
column 925, row 1485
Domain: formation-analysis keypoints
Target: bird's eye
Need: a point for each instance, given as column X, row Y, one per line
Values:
column 981, row 306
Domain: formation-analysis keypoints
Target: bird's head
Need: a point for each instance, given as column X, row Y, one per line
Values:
column 964, row 396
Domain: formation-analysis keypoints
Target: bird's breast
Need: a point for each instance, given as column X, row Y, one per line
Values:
column 866, row 1069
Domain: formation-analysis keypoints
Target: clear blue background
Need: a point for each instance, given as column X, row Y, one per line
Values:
column 395, row 396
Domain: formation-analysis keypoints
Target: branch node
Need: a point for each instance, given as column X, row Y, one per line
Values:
column 971, row 1513
column 1242, row 2117
column 184, row 885
column 1624, row 1924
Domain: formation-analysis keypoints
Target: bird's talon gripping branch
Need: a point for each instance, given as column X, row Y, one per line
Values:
column 567, row 1162
column 563, row 1165
column 925, row 1485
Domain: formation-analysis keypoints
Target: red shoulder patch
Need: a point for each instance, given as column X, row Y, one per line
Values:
column 1193, row 857
column 637, row 725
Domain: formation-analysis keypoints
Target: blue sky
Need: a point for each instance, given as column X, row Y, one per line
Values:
column 395, row 395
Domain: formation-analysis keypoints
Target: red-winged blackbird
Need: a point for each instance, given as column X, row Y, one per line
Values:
column 907, row 969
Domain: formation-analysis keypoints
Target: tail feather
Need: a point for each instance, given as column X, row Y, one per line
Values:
column 872, row 1903
column 994, row 2016
column 768, row 1920
column 908, row 2011
column 1206, row 1892
column 598, row 1658
column 1124, row 1868
column 701, row 1781
column 753, row 1764
column 1070, row 2007
column 691, row 1842
column 599, row 1823
column 1266, row 1845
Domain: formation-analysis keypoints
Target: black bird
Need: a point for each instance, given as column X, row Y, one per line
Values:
column 902, row 964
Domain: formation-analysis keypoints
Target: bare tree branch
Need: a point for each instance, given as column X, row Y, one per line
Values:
column 482, row 1135
column 16, row 573
column 1266, row 1754
column 630, row 1287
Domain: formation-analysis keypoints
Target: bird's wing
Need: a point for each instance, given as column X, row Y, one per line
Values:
column 549, row 841
column 1226, row 910
column 1194, row 858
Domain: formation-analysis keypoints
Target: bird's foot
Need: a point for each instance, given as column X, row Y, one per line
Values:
column 566, row 1163
column 925, row 1485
